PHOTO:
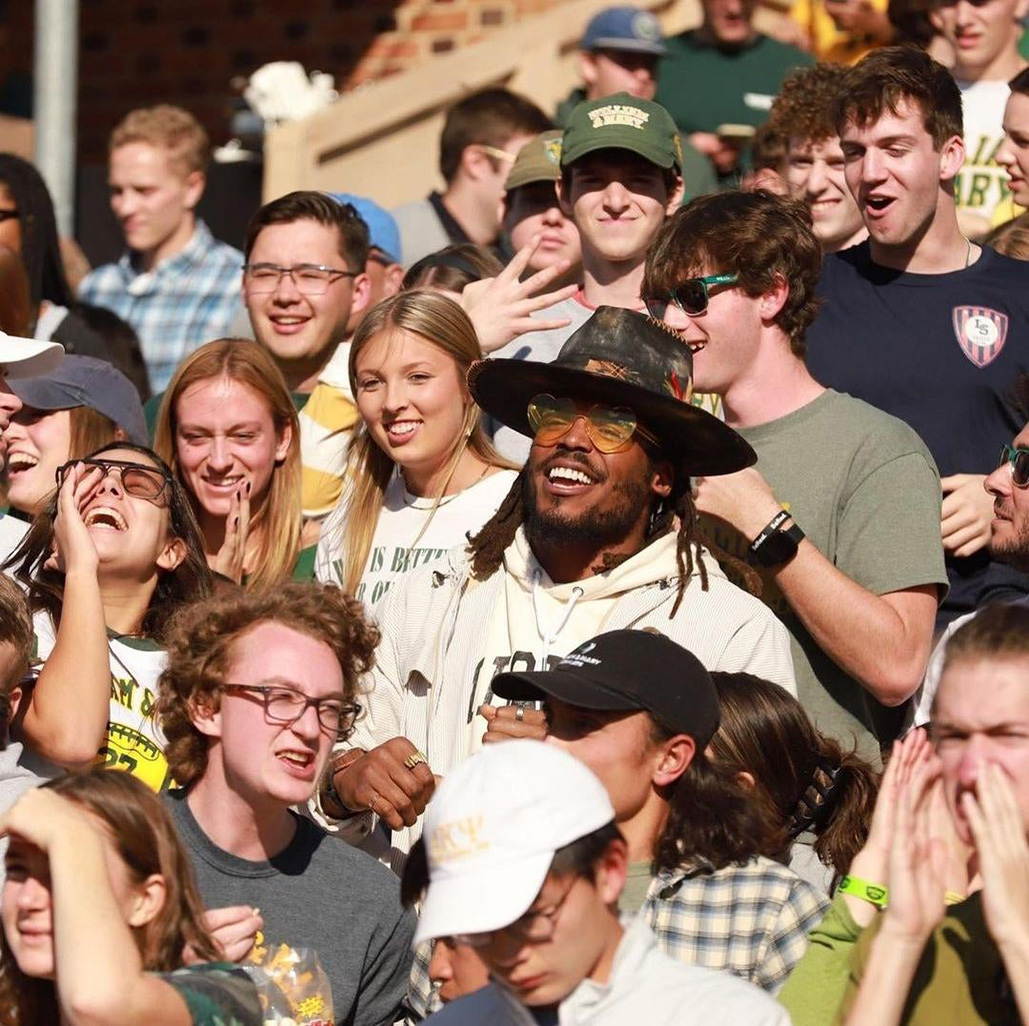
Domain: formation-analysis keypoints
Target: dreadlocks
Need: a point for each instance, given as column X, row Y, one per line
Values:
column 487, row 547
column 40, row 249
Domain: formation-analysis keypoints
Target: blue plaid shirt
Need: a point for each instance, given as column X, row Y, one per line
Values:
column 187, row 300
column 751, row 920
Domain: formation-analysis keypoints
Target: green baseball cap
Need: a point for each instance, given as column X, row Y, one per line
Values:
column 539, row 160
column 622, row 122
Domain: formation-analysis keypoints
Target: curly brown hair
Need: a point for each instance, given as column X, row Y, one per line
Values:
column 806, row 105
column 143, row 833
column 200, row 651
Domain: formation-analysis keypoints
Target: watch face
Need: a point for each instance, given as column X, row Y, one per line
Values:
column 776, row 549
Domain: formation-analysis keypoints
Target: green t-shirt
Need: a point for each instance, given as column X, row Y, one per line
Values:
column 864, row 489
column 637, row 883
column 960, row 980
column 704, row 86
column 217, row 994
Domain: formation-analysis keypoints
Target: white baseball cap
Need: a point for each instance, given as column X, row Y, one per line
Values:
column 491, row 831
column 27, row 357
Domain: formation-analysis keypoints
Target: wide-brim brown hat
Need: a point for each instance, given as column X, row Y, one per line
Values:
column 619, row 358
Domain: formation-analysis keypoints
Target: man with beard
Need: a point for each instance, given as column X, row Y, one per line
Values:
column 598, row 533
column 1009, row 533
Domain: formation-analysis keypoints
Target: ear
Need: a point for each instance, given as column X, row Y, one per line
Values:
column 935, row 20
column 1021, row 9
column 283, row 444
column 173, row 553
column 588, row 69
column 119, row 435
column 952, row 157
column 392, row 280
column 746, row 778
column 147, row 901
column 195, row 183
column 502, row 212
column 676, row 756
column 206, row 716
column 609, row 876
column 562, row 200
column 662, row 479
column 474, row 163
column 675, row 196
column 360, row 294
column 14, row 696
column 774, row 299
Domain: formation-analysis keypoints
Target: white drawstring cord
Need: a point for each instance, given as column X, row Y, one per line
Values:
column 549, row 639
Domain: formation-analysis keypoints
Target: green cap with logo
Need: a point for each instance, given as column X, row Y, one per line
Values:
column 539, row 160
column 622, row 122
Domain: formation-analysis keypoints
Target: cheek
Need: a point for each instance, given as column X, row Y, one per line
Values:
column 525, row 229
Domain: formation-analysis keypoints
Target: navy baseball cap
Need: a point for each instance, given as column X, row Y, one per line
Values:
column 624, row 28
column 86, row 381
column 626, row 671
column 383, row 233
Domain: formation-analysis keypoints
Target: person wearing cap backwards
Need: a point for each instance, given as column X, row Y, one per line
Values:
column 597, row 534
column 621, row 176
column 841, row 514
column 522, row 859
column 641, row 712
column 19, row 358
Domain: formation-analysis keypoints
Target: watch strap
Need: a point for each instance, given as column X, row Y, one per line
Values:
column 769, row 529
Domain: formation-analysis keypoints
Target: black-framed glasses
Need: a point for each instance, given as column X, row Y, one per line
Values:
column 8, row 214
column 286, row 705
column 310, row 279
column 535, row 926
column 138, row 479
column 1018, row 460
column 690, row 296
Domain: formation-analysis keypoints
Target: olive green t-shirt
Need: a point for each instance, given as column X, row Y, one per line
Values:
column 865, row 491
column 637, row 883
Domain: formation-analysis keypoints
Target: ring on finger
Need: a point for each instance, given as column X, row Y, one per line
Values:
column 414, row 759
column 519, row 713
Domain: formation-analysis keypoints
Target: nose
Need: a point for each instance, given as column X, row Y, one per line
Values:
column 33, row 895
column 1004, row 156
column 219, row 457
column 111, row 483
column 577, row 437
column 616, row 198
column 964, row 12
column 441, row 969
column 816, row 179
column 972, row 758
column 506, row 951
column 395, row 396
column 872, row 166
column 553, row 216
column 307, row 726
column 286, row 290
column 676, row 317
column 999, row 484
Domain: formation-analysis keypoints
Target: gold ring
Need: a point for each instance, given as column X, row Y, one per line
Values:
column 412, row 760
column 519, row 713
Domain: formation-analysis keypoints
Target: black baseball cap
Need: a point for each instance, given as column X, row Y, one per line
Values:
column 623, row 671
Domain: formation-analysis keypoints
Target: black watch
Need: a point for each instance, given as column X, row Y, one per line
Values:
column 776, row 545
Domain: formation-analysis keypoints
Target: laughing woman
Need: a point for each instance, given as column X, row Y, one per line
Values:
column 228, row 428
column 421, row 472
column 110, row 559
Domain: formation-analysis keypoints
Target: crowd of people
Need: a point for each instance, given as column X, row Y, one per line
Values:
column 595, row 593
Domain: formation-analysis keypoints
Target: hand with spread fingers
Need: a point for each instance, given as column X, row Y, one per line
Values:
column 394, row 781
column 510, row 721
column 501, row 308
column 230, row 560
column 74, row 550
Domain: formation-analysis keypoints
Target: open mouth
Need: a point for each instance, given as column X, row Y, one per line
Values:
column 18, row 461
column 105, row 517
column 298, row 763
column 288, row 325
column 224, row 484
column 876, row 205
column 401, row 431
column 567, row 479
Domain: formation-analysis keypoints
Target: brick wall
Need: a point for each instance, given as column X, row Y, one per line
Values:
column 139, row 52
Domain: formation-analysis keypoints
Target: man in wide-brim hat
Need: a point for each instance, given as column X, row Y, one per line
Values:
column 596, row 535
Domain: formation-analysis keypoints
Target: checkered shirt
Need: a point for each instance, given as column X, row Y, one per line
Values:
column 187, row 300
column 751, row 920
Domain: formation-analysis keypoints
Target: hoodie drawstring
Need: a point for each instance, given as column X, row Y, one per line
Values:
column 549, row 639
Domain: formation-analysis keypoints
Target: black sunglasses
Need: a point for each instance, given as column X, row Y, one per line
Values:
column 1019, row 462
column 690, row 296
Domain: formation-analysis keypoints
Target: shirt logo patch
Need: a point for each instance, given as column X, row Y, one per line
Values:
column 981, row 333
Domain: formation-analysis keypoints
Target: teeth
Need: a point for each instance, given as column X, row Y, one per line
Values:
column 104, row 516
column 568, row 474
column 403, row 427
column 296, row 758
column 19, row 460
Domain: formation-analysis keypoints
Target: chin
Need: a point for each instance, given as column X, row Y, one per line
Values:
column 35, row 962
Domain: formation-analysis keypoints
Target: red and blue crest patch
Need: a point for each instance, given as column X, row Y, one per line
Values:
column 981, row 333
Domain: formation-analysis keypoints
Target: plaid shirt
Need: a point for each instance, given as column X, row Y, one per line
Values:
column 185, row 301
column 752, row 920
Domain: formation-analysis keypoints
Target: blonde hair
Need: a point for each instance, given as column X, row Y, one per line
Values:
column 169, row 128
column 279, row 517
column 440, row 321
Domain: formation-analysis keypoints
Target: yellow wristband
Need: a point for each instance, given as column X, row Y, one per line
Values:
column 874, row 894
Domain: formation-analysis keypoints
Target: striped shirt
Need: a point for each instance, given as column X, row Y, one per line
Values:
column 751, row 920
column 185, row 301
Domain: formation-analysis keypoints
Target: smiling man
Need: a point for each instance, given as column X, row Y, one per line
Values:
column 1013, row 155
column 984, row 36
column 599, row 531
column 804, row 116
column 919, row 320
column 256, row 691
column 176, row 285
column 845, row 535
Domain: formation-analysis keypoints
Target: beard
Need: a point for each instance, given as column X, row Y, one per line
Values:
column 601, row 528
column 1014, row 550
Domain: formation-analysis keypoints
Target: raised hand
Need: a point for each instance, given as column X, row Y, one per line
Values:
column 966, row 514
column 230, row 561
column 74, row 549
column 501, row 308
column 504, row 723
column 234, row 929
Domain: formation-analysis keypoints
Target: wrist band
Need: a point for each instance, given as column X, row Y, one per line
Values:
column 771, row 527
column 874, row 894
